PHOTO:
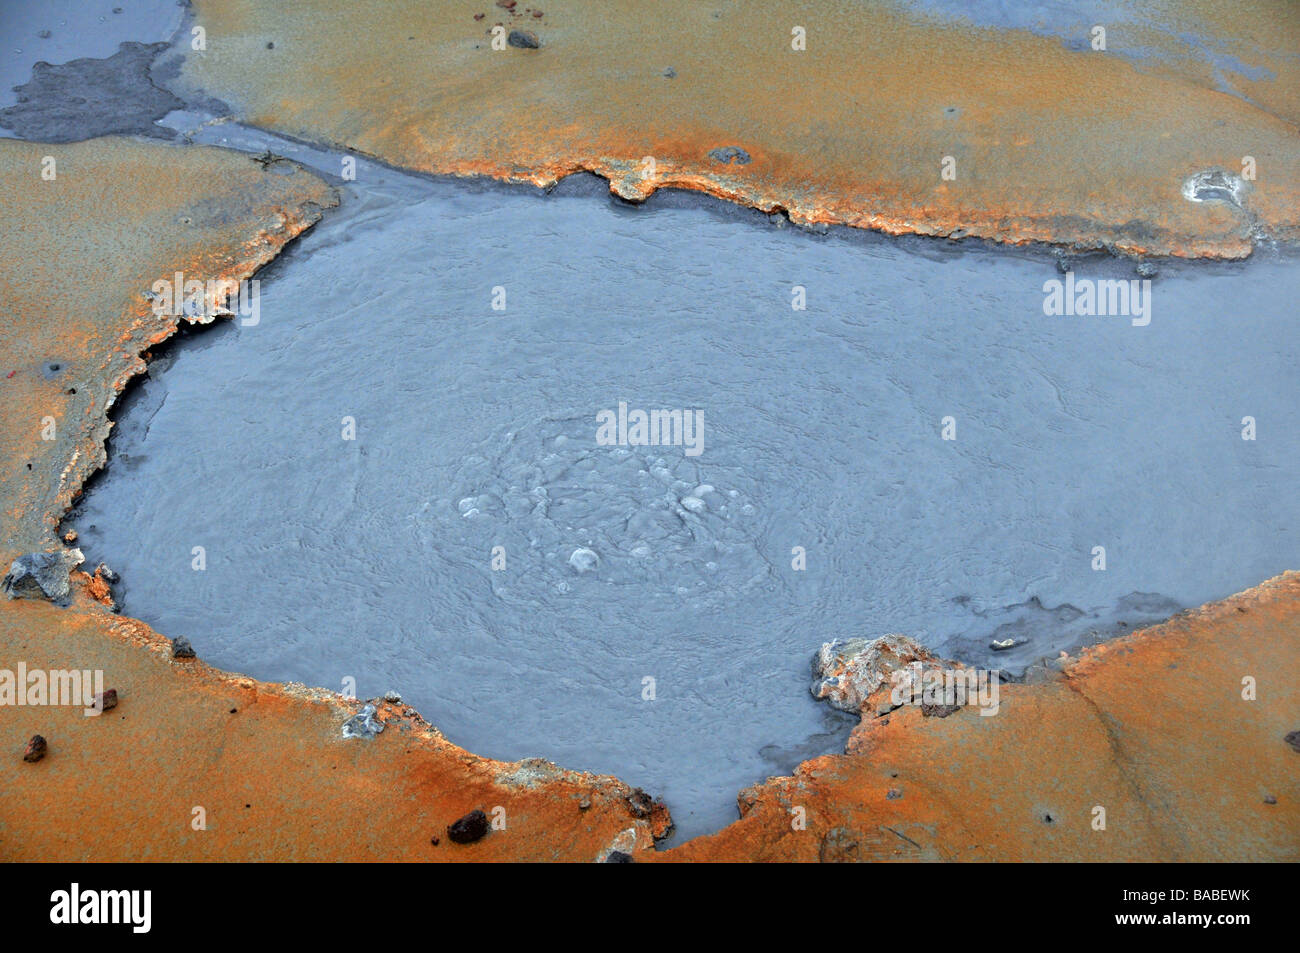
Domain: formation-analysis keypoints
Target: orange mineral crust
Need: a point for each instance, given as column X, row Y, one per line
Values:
column 1042, row 143
column 82, row 249
column 1156, row 729
column 195, row 763
column 198, row 764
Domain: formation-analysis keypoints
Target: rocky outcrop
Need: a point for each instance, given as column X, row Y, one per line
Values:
column 873, row 676
column 42, row 575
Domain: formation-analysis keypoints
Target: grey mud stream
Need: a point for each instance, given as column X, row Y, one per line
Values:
column 328, row 558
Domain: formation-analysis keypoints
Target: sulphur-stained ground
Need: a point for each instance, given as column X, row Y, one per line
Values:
column 1169, row 744
column 267, row 767
column 883, row 117
column 86, row 229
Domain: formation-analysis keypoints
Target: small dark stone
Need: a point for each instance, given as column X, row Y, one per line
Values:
column 619, row 857
column 434, row 841
column 36, row 749
column 1063, row 264
column 1269, row 799
column 106, row 700
column 270, row 46
column 523, row 40
column 1146, row 269
column 181, row 648
column 893, row 794
column 1293, row 739
column 584, row 804
column 670, row 73
column 729, row 154
column 473, row 826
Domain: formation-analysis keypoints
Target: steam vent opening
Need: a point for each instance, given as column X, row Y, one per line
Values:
column 395, row 482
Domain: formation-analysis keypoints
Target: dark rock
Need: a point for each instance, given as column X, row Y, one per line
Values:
column 619, row 857
column 106, row 700
column 42, row 576
column 1146, row 269
column 181, row 648
column 523, row 40
column 1293, row 739
column 729, row 154
column 36, row 749
column 670, row 73
column 893, row 794
column 1269, row 799
column 470, row 828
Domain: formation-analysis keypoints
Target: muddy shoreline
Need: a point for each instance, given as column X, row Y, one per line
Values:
column 289, row 742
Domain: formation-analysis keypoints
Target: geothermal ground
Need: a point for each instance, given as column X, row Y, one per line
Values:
column 950, row 360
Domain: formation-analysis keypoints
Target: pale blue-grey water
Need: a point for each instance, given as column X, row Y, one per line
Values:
column 372, row 558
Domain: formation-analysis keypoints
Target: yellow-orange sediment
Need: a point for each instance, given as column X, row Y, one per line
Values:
column 1087, row 149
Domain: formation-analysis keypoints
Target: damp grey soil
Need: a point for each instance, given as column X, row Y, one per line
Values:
column 648, row 621
column 57, row 32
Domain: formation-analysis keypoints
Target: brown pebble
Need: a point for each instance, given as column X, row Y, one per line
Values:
column 36, row 749
column 106, row 699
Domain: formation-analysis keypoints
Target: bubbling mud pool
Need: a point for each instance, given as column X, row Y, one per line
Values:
column 645, row 618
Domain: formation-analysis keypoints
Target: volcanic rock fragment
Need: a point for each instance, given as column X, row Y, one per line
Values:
column 523, row 40
column 106, row 700
column 470, row 828
column 36, row 749
column 42, row 576
column 363, row 724
column 859, row 675
column 181, row 648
